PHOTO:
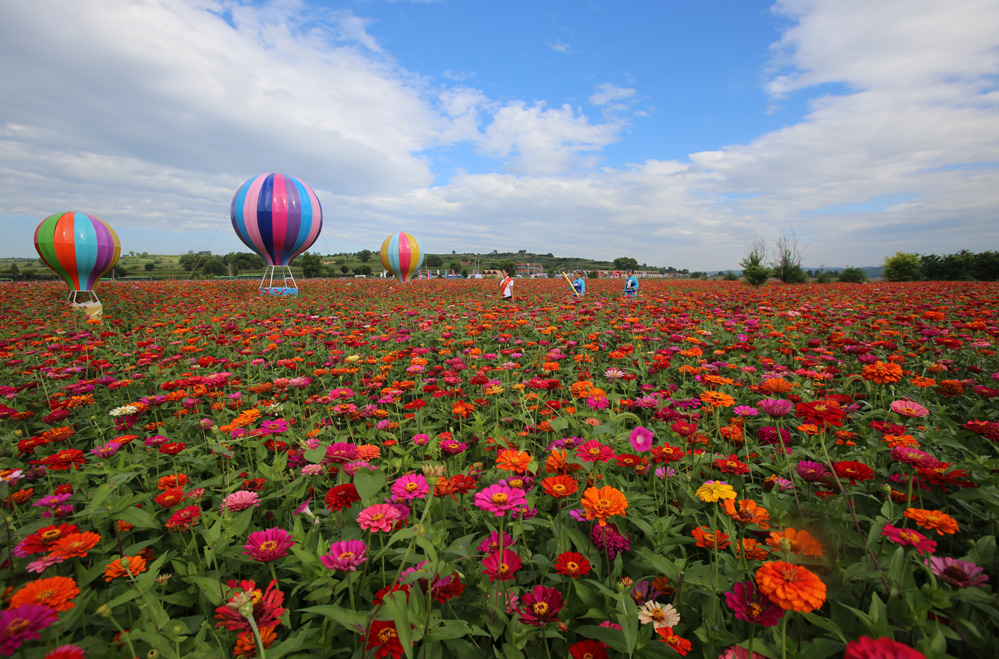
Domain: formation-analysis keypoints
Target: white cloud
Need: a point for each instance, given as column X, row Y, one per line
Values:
column 559, row 47
column 608, row 92
column 544, row 140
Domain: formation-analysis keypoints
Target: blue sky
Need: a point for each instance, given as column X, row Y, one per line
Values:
column 673, row 131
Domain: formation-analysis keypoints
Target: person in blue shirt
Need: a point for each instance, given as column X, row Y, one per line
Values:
column 631, row 285
column 579, row 284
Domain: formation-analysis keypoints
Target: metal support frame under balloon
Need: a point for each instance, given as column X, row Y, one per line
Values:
column 285, row 275
column 72, row 299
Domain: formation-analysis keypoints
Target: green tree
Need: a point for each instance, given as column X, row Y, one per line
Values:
column 364, row 270
column 507, row 265
column 455, row 266
column 902, row 267
column 852, row 275
column 344, row 269
column 213, row 266
column 189, row 261
column 625, row 263
column 150, row 267
column 434, row 261
column 730, row 276
column 364, row 255
column 312, row 265
column 753, row 269
column 787, row 260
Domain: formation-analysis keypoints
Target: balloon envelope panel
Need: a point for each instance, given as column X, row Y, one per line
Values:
column 402, row 255
column 78, row 247
column 277, row 216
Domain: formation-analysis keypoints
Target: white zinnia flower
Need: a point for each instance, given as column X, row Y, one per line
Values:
column 659, row 615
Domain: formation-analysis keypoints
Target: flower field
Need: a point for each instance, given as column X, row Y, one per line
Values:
column 425, row 471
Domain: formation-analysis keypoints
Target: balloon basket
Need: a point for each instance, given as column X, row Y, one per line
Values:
column 283, row 275
column 89, row 304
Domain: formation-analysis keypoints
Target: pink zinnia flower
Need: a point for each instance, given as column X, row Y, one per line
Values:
column 909, row 409
column 269, row 545
column 641, row 439
column 540, row 606
column 913, row 457
column 735, row 652
column 379, row 517
column 750, row 605
column 594, row 451
column 498, row 499
column 775, row 407
column 345, row 555
column 958, row 573
column 23, row 623
column 410, row 486
column 908, row 537
column 240, row 500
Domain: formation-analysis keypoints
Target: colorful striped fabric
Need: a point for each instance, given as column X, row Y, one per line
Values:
column 277, row 216
column 78, row 247
column 402, row 255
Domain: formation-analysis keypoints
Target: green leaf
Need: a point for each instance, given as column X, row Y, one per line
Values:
column 138, row 518
column 369, row 483
column 354, row 621
column 396, row 604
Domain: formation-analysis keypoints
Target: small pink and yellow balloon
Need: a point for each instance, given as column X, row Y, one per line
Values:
column 78, row 247
column 402, row 255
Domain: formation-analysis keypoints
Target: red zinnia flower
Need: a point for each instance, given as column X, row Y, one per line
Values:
column 821, row 413
column 342, row 496
column 681, row 645
column 588, row 649
column 63, row 460
column 383, row 637
column 572, row 564
column 854, row 471
column 540, row 606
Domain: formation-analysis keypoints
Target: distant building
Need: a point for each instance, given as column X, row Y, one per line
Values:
column 529, row 269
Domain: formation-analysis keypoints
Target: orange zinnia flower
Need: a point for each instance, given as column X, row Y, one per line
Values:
column 772, row 386
column 797, row 542
column 754, row 550
column 710, row 539
column 603, row 503
column 75, row 544
column 791, row 587
column 882, row 373
column 510, row 460
column 114, row 569
column 560, row 486
column 556, row 463
column 716, row 399
column 933, row 519
column 748, row 513
column 54, row 593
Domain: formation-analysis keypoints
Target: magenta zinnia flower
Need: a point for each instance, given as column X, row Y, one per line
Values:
column 540, row 606
column 913, row 457
column 959, row 573
column 811, row 471
column 23, row 623
column 498, row 499
column 501, row 566
column 752, row 606
column 345, row 555
column 410, row 486
column 492, row 543
column 340, row 452
column 609, row 539
column 908, row 537
column 379, row 517
column 269, row 545
column 240, row 500
column 641, row 439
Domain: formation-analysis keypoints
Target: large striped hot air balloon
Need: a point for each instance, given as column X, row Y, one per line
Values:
column 78, row 247
column 402, row 255
column 277, row 216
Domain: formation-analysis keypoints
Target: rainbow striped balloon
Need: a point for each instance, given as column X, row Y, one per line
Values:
column 277, row 216
column 402, row 255
column 78, row 247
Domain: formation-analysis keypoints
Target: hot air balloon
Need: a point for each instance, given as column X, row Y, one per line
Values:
column 402, row 255
column 278, row 217
column 78, row 247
